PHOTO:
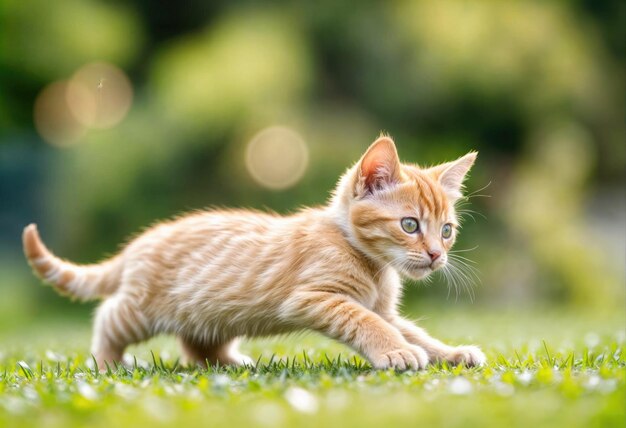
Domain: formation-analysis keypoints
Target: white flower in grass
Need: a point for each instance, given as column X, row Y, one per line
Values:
column 301, row 400
column 125, row 391
column 592, row 340
column 157, row 409
column 30, row 394
column 431, row 385
column 503, row 389
column 195, row 395
column 24, row 365
column 593, row 382
column 597, row 383
column 221, row 380
column 172, row 390
column 87, row 391
column 54, row 357
column 525, row 377
column 460, row 386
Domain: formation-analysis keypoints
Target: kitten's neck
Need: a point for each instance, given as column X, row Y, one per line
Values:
column 339, row 215
column 338, row 209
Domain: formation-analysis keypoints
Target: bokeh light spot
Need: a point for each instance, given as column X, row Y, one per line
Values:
column 53, row 119
column 99, row 95
column 277, row 157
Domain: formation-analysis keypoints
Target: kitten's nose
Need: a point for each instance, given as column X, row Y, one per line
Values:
column 434, row 255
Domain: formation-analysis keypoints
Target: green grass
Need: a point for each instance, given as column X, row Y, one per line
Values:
column 546, row 369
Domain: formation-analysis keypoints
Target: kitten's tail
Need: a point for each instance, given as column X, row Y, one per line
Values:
column 84, row 282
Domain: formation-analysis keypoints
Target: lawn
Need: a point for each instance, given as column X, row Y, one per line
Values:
column 547, row 368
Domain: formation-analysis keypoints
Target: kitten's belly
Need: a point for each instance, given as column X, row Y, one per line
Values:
column 233, row 293
column 221, row 318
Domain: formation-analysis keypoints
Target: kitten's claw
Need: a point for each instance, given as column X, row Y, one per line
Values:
column 409, row 358
column 468, row 355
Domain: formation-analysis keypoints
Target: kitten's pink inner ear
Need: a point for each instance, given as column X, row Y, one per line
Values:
column 380, row 164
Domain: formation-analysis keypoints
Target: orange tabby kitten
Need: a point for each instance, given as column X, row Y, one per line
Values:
column 214, row 276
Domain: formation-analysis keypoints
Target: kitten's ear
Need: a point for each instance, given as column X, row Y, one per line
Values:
column 452, row 174
column 379, row 167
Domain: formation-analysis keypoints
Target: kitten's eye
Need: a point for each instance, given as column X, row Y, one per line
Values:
column 446, row 231
column 410, row 225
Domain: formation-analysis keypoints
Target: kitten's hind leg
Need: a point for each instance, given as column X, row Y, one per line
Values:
column 203, row 353
column 118, row 323
column 230, row 354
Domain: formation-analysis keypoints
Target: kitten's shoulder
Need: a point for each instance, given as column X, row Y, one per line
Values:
column 324, row 236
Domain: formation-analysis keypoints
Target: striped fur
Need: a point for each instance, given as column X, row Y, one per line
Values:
column 212, row 277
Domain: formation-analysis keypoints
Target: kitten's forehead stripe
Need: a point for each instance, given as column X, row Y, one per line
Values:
column 429, row 196
column 423, row 191
column 437, row 195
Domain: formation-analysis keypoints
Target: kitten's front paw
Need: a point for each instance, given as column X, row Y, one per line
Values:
column 409, row 357
column 468, row 355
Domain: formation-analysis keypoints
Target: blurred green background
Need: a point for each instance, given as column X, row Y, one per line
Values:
column 537, row 87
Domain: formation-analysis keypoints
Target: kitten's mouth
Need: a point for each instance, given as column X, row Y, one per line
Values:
column 416, row 270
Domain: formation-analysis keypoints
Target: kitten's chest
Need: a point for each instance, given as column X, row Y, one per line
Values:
column 370, row 299
column 387, row 293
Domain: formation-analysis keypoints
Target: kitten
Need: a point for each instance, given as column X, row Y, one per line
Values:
column 213, row 276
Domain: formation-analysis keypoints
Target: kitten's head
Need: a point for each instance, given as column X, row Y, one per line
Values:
column 400, row 214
